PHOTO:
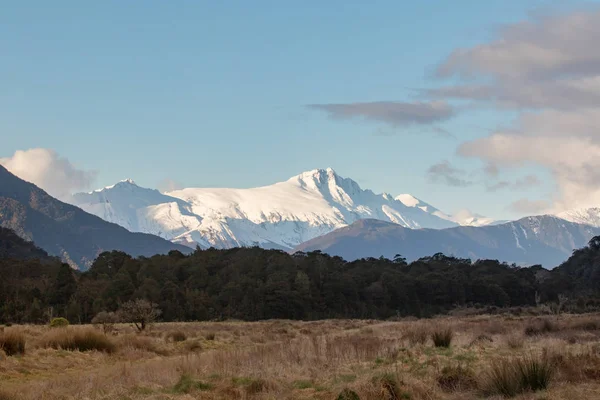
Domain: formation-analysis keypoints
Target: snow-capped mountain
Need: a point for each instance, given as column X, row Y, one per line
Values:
column 282, row 215
column 588, row 216
column 463, row 217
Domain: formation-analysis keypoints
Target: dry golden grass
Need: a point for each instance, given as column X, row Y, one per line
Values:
column 311, row 360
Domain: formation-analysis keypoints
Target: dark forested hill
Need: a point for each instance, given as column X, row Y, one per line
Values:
column 15, row 247
column 544, row 239
column 66, row 231
column 255, row 284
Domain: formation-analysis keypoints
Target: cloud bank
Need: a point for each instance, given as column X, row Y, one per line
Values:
column 548, row 70
column 47, row 170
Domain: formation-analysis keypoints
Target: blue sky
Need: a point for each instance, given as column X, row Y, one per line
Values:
column 216, row 93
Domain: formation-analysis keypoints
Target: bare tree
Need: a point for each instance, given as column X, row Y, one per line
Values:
column 140, row 312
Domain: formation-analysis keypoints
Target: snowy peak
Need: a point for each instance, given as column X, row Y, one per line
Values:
column 587, row 216
column 328, row 179
column 281, row 215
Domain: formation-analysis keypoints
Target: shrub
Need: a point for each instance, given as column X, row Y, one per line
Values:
column 106, row 320
column 140, row 312
column 12, row 342
column 511, row 377
column 59, row 323
column 348, row 394
column 442, row 337
column 417, row 334
column 80, row 340
column 456, row 378
column 177, row 336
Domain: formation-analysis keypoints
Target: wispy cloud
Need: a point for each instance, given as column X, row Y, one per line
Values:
column 445, row 173
column 392, row 113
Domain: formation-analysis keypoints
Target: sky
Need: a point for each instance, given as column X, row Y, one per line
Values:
column 490, row 106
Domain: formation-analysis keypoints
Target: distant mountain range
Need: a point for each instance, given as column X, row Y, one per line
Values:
column 281, row 216
column 545, row 240
column 66, row 231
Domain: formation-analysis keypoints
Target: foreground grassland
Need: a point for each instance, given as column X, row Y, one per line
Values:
column 488, row 357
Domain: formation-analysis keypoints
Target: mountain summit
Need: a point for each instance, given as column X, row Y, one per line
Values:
column 281, row 215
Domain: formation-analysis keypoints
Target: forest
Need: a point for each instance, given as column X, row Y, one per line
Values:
column 255, row 284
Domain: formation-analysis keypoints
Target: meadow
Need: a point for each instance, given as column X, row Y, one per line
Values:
column 460, row 357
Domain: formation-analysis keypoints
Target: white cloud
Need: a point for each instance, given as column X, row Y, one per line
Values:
column 548, row 69
column 47, row 170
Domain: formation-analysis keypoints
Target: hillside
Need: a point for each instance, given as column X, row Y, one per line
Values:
column 14, row 247
column 66, row 231
column 545, row 240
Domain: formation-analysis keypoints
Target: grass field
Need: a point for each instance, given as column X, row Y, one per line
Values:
column 488, row 357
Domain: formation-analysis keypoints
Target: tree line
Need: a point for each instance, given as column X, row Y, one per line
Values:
column 255, row 284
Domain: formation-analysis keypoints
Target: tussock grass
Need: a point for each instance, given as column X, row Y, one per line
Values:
column 456, row 378
column 348, row 394
column 78, row 340
column 511, row 377
column 541, row 327
column 515, row 341
column 416, row 334
column 442, row 337
column 12, row 342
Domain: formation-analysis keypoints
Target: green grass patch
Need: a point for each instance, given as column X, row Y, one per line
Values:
column 187, row 384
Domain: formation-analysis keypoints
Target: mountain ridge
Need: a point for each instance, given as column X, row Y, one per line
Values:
column 281, row 215
column 64, row 230
column 546, row 240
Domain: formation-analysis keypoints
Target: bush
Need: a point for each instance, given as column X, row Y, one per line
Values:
column 442, row 337
column 81, row 340
column 106, row 320
column 140, row 312
column 177, row 336
column 511, row 377
column 12, row 342
column 59, row 323
column 348, row 394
